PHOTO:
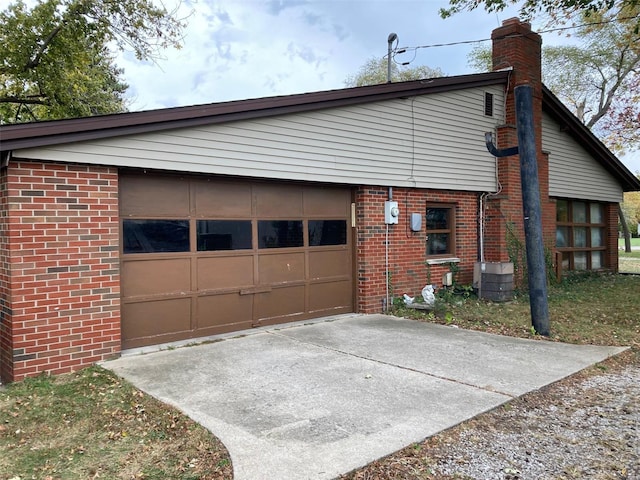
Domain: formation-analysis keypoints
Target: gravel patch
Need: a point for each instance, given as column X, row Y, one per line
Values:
column 587, row 430
column 586, row 426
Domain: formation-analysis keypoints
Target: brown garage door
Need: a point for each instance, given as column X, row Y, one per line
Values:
column 202, row 256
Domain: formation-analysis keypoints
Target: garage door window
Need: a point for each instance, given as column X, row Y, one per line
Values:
column 153, row 236
column 224, row 235
column 327, row 232
column 280, row 233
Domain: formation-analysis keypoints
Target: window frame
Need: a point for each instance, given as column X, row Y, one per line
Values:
column 569, row 251
column 451, row 230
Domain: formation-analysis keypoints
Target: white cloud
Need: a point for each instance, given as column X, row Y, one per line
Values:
column 244, row 49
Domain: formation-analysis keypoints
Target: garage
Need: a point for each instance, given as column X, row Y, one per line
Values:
column 202, row 256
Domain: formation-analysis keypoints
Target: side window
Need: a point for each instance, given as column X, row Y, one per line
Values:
column 580, row 234
column 280, row 233
column 440, row 230
column 224, row 235
column 154, row 236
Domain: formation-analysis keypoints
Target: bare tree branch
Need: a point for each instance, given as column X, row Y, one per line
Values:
column 611, row 93
column 25, row 100
column 35, row 61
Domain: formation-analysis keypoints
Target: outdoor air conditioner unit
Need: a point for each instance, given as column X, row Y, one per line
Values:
column 493, row 280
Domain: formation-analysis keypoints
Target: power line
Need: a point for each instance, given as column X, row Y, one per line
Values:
column 399, row 51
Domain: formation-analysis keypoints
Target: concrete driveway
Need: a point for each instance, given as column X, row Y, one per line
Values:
column 315, row 400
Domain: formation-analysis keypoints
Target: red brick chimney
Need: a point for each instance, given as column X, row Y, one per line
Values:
column 517, row 48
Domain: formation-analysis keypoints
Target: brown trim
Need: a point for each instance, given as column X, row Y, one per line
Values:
column 55, row 132
column 353, row 230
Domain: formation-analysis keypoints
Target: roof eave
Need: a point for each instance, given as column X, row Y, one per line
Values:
column 55, row 132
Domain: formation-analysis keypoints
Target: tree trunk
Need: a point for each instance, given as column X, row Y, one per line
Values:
column 625, row 230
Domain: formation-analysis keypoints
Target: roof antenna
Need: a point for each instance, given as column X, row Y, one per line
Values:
column 392, row 38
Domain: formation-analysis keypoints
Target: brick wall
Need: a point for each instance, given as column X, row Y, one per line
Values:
column 6, row 342
column 59, row 259
column 611, row 241
column 408, row 270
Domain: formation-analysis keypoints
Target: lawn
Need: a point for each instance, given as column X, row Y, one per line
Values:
column 629, row 262
column 600, row 310
column 635, row 242
column 92, row 424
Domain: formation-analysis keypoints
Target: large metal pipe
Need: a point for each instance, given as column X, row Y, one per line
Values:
column 534, row 242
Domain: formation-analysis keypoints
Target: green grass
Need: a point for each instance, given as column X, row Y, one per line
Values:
column 635, row 242
column 92, row 424
column 629, row 262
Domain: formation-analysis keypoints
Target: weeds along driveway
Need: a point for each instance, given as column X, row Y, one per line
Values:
column 313, row 401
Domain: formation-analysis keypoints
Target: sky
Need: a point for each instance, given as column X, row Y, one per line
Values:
column 239, row 49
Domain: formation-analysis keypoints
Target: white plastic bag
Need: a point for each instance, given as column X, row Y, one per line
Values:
column 428, row 295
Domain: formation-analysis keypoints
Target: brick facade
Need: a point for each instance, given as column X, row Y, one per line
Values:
column 60, row 285
column 611, row 240
column 408, row 269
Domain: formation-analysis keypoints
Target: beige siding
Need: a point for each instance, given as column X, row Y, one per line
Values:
column 432, row 141
column 573, row 173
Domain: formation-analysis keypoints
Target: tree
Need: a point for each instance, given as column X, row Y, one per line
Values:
column 374, row 72
column 55, row 61
column 599, row 80
column 631, row 208
column 557, row 10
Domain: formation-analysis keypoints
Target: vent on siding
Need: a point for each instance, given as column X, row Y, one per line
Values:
column 488, row 104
